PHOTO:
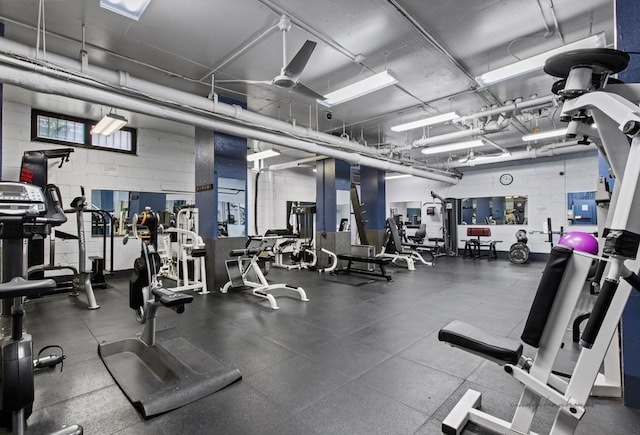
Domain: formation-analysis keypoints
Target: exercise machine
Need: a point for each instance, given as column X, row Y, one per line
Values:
column 25, row 213
column 448, row 243
column 246, row 267
column 408, row 253
column 34, row 170
column 83, row 283
column 588, row 99
column 159, row 377
column 189, row 251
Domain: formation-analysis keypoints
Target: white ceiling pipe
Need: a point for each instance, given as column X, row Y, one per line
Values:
column 42, row 83
column 525, row 104
column 295, row 163
column 169, row 94
column 526, row 154
column 534, row 102
column 70, row 77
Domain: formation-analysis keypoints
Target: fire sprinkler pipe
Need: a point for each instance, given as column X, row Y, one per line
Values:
column 38, row 82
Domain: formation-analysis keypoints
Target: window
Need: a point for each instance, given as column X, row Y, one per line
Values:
column 67, row 130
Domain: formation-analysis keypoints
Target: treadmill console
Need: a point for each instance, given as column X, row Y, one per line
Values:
column 21, row 199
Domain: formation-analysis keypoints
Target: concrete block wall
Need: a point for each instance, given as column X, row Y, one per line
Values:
column 274, row 190
column 164, row 163
column 540, row 180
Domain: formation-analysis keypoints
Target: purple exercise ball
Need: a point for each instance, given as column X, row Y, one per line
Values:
column 583, row 242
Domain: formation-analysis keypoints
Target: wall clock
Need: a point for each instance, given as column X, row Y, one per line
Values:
column 506, row 179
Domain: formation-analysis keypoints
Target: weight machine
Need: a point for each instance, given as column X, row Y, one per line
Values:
column 189, row 250
column 242, row 271
column 588, row 98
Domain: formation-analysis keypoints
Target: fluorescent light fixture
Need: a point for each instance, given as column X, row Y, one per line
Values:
column 262, row 155
column 545, row 135
column 395, row 177
column 426, row 121
column 129, row 8
column 358, row 89
column 109, row 124
column 453, row 147
column 537, row 62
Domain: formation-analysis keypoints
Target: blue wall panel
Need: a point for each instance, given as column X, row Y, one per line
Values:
column 628, row 34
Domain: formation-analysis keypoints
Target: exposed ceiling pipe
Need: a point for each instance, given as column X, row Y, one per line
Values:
column 172, row 95
column 36, row 81
column 525, row 154
column 438, row 139
column 534, row 102
column 295, row 163
column 241, row 50
column 525, row 104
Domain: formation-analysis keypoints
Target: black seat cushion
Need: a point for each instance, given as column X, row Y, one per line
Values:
column 468, row 337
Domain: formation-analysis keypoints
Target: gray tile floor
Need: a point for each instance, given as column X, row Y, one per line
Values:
column 356, row 359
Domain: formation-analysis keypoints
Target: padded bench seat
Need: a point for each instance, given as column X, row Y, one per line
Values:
column 380, row 261
column 500, row 350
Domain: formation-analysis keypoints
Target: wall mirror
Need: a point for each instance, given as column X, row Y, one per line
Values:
column 343, row 209
column 581, row 208
column 231, row 207
column 123, row 204
column 493, row 210
column 411, row 212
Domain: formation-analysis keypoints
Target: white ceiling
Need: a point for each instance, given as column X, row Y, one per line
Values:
column 434, row 47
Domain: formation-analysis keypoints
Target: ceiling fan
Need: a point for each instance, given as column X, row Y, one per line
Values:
column 289, row 77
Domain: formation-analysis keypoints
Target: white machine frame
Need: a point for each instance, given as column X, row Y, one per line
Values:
column 188, row 242
column 616, row 119
column 261, row 288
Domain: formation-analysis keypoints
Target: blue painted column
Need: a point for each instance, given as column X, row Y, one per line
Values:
column 333, row 181
column 628, row 34
column 219, row 158
column 373, row 198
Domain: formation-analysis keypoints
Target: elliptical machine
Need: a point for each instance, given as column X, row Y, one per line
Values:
column 157, row 377
column 25, row 213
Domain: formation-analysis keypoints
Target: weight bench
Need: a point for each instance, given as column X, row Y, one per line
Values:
column 472, row 245
column 239, row 273
column 381, row 262
column 396, row 250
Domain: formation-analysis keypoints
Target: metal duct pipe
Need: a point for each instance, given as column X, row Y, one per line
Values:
column 470, row 132
column 172, row 95
column 41, row 83
column 534, row 102
column 526, row 154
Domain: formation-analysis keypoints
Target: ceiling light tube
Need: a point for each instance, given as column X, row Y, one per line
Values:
column 262, row 155
column 109, row 124
column 537, row 62
column 453, row 147
column 129, row 8
column 545, row 135
column 395, row 177
column 426, row 121
column 358, row 89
